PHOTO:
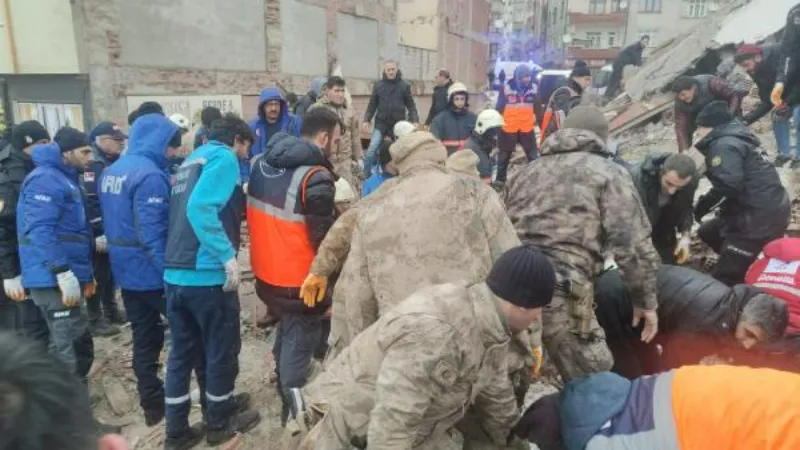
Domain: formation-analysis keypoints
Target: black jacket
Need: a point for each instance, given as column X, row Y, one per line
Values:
column 790, row 46
column 90, row 179
column 630, row 56
column 452, row 126
column 438, row 102
column 15, row 165
column 286, row 151
column 647, row 179
column 391, row 102
column 765, row 77
column 750, row 185
column 688, row 302
column 304, row 103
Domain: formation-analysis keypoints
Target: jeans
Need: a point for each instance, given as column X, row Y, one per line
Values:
column 296, row 340
column 781, row 129
column 204, row 328
column 67, row 327
column 371, row 159
column 144, row 310
column 102, row 303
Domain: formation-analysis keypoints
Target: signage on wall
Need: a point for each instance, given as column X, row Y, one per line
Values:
column 189, row 105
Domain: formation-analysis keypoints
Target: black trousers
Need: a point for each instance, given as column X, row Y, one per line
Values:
column 103, row 302
column 507, row 143
column 614, row 81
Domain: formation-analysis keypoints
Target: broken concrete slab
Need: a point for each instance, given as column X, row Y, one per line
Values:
column 639, row 113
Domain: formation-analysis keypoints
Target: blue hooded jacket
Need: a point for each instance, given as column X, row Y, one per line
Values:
column 262, row 132
column 52, row 227
column 134, row 195
column 587, row 404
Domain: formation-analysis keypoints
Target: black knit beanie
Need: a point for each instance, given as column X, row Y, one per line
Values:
column 541, row 424
column 27, row 133
column 69, row 139
column 714, row 114
column 523, row 276
column 580, row 70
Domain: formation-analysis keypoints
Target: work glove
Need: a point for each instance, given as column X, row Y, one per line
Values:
column 650, row 323
column 101, row 244
column 777, row 94
column 70, row 288
column 703, row 206
column 14, row 289
column 313, row 289
column 90, row 289
column 232, row 275
column 682, row 249
column 538, row 359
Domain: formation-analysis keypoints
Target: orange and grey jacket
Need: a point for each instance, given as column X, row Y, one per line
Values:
column 516, row 102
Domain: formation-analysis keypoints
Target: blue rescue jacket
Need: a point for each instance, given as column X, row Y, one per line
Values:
column 288, row 123
column 52, row 227
column 205, row 217
column 134, row 195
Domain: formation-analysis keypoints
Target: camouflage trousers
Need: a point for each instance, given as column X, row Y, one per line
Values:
column 573, row 356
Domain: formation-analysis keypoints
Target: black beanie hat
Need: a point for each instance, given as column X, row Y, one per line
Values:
column 523, row 276
column 27, row 133
column 69, row 139
column 580, row 69
column 541, row 424
column 714, row 114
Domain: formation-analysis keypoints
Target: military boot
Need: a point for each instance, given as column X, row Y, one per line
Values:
column 189, row 439
column 240, row 423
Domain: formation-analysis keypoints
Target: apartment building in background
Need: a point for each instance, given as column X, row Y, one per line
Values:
column 79, row 61
column 528, row 30
column 599, row 29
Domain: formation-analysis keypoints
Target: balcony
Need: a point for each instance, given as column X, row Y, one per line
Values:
column 615, row 18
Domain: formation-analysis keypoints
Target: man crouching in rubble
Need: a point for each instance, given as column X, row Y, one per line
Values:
column 694, row 407
column 755, row 205
column 579, row 206
column 408, row 379
column 698, row 316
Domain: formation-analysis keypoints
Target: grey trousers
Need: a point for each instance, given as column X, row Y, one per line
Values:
column 66, row 325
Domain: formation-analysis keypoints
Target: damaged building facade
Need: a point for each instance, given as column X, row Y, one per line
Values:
column 186, row 54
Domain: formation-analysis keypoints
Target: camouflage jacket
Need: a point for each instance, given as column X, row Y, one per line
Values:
column 577, row 205
column 412, row 375
column 432, row 227
column 346, row 156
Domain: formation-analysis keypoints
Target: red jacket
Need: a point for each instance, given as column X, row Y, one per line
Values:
column 777, row 273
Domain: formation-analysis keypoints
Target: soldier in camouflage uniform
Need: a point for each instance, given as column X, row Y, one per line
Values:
column 578, row 206
column 407, row 379
column 432, row 227
column 346, row 156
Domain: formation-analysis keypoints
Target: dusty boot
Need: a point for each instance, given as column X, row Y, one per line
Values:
column 186, row 441
column 101, row 328
column 153, row 415
column 240, row 423
column 240, row 403
column 267, row 320
column 780, row 160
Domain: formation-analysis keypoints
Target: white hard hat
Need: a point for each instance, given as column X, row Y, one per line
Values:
column 456, row 88
column 181, row 121
column 403, row 128
column 488, row 119
column 344, row 192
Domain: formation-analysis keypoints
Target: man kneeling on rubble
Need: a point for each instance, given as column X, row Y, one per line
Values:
column 694, row 407
column 698, row 316
column 406, row 381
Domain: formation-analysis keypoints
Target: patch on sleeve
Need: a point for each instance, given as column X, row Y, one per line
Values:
column 88, row 177
column 716, row 161
column 2, row 204
column 444, row 374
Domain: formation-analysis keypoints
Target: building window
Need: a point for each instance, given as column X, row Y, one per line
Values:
column 652, row 33
column 612, row 39
column 696, row 8
column 597, row 6
column 593, row 39
column 615, row 6
column 650, row 6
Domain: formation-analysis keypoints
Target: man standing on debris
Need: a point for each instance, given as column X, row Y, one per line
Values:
column 565, row 98
column 441, row 241
column 763, row 65
column 440, row 96
column 516, row 102
column 347, row 155
column 134, row 197
column 755, row 205
column 579, row 207
column 698, row 316
column 107, row 141
column 290, row 209
column 408, row 379
column 692, row 94
column 17, row 310
column 454, row 125
column 630, row 56
column 202, row 278
column 666, row 184
column 391, row 102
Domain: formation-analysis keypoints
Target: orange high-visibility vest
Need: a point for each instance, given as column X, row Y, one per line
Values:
column 281, row 252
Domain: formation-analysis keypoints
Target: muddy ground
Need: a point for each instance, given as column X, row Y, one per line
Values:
column 113, row 386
